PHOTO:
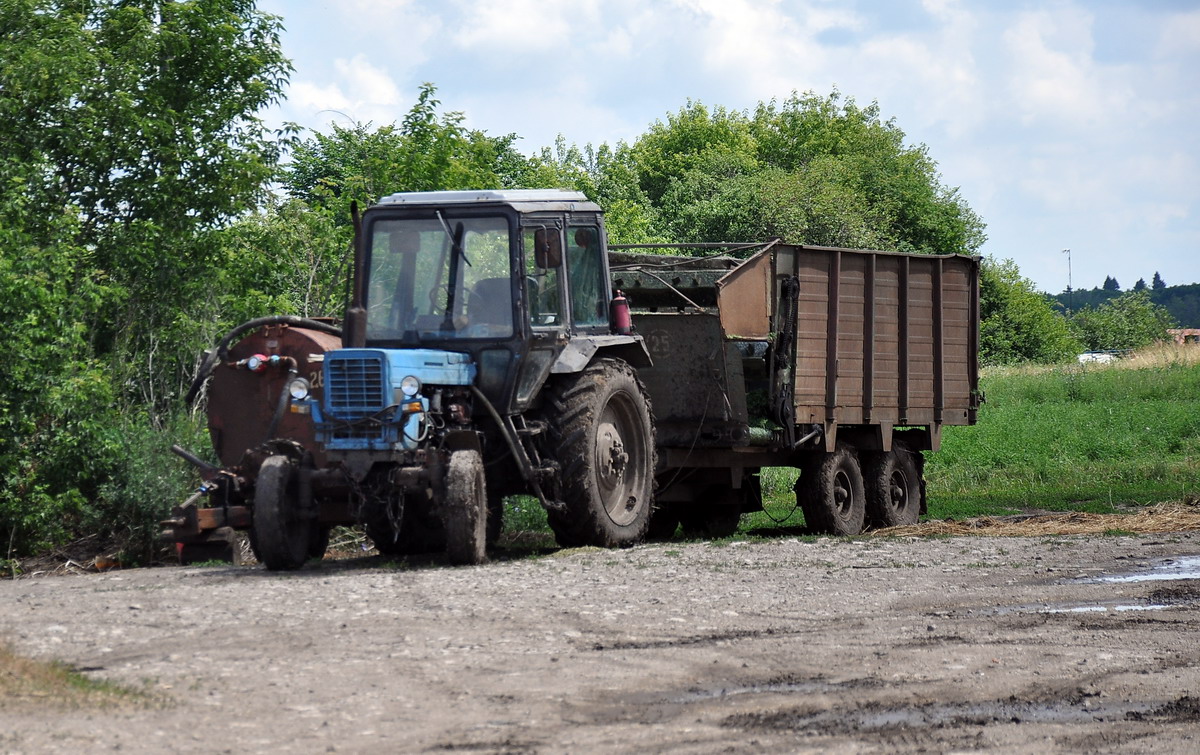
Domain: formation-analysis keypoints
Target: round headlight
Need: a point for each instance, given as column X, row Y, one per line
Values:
column 410, row 386
column 298, row 389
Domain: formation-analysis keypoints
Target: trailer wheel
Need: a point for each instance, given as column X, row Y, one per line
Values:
column 830, row 492
column 464, row 509
column 282, row 533
column 602, row 433
column 893, row 488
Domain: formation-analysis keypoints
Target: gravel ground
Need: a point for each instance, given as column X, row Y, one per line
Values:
column 786, row 645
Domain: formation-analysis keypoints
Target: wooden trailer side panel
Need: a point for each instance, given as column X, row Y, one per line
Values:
column 883, row 338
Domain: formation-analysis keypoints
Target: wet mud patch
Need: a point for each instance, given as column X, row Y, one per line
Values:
column 883, row 719
column 1176, row 596
column 712, row 638
column 1185, row 710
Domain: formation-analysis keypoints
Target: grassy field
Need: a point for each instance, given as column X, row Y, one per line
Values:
column 1077, row 437
column 1090, row 438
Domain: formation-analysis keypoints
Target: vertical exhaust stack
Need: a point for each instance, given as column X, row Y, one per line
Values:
column 354, row 330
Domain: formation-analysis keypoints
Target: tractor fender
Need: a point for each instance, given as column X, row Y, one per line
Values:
column 583, row 350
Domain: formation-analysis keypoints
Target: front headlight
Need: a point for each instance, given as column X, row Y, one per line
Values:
column 410, row 386
column 298, row 389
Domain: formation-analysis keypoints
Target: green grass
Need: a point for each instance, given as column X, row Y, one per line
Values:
column 1070, row 438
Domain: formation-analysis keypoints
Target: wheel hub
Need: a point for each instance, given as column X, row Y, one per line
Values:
column 898, row 492
column 611, row 455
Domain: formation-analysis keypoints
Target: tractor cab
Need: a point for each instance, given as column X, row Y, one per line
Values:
column 505, row 277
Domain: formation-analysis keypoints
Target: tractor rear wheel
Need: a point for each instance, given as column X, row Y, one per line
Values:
column 465, row 509
column 282, row 532
column 602, row 433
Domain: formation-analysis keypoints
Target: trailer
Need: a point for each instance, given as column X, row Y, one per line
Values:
column 494, row 345
column 842, row 363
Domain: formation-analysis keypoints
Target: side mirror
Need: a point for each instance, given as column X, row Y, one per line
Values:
column 547, row 247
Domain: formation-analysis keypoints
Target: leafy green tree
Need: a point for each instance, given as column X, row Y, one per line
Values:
column 426, row 152
column 1158, row 282
column 1140, row 285
column 1110, row 284
column 1129, row 321
column 813, row 170
column 1018, row 324
column 607, row 176
column 140, row 118
column 128, row 139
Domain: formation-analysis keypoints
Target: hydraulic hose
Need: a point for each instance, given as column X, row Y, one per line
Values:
column 220, row 352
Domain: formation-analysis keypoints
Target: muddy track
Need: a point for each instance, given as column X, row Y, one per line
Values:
column 1001, row 644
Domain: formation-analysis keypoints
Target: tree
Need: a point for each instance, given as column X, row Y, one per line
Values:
column 1129, row 321
column 1140, row 285
column 1157, row 283
column 140, row 118
column 1018, row 324
column 1110, row 284
column 816, row 170
column 426, row 152
column 128, row 139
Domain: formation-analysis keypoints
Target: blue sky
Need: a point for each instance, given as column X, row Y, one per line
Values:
column 1065, row 124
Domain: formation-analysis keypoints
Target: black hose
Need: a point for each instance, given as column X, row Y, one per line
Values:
column 220, row 353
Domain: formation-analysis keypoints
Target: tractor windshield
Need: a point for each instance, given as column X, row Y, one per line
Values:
column 439, row 278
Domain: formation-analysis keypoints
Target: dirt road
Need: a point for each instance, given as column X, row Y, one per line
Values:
column 967, row 644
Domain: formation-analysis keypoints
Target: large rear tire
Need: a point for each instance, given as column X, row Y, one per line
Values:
column 283, row 534
column 831, row 493
column 602, row 433
column 465, row 509
column 893, row 488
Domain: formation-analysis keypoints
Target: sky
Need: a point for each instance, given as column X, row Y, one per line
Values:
column 1065, row 124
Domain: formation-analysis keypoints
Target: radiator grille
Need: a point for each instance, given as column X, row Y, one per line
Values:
column 355, row 386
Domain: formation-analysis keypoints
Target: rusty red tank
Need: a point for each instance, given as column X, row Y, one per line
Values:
column 242, row 401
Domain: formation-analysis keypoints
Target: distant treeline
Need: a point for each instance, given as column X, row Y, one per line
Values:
column 1182, row 302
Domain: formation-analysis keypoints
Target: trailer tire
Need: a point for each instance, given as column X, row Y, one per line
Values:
column 893, row 488
column 602, row 434
column 831, row 493
column 282, row 532
column 465, row 509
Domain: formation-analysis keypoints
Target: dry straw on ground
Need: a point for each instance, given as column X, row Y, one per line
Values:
column 1168, row 517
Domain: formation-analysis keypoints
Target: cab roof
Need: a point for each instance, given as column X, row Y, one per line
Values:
column 523, row 200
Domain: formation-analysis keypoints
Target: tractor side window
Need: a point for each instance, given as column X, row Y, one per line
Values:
column 541, row 288
column 589, row 292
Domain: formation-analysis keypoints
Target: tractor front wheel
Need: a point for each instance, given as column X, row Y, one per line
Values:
column 282, row 532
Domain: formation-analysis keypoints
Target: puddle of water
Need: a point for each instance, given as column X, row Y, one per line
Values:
column 1105, row 609
column 1184, row 567
column 940, row 715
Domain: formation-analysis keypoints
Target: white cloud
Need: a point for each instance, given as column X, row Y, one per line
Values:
column 316, row 97
column 368, row 84
column 522, row 26
column 1054, row 78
